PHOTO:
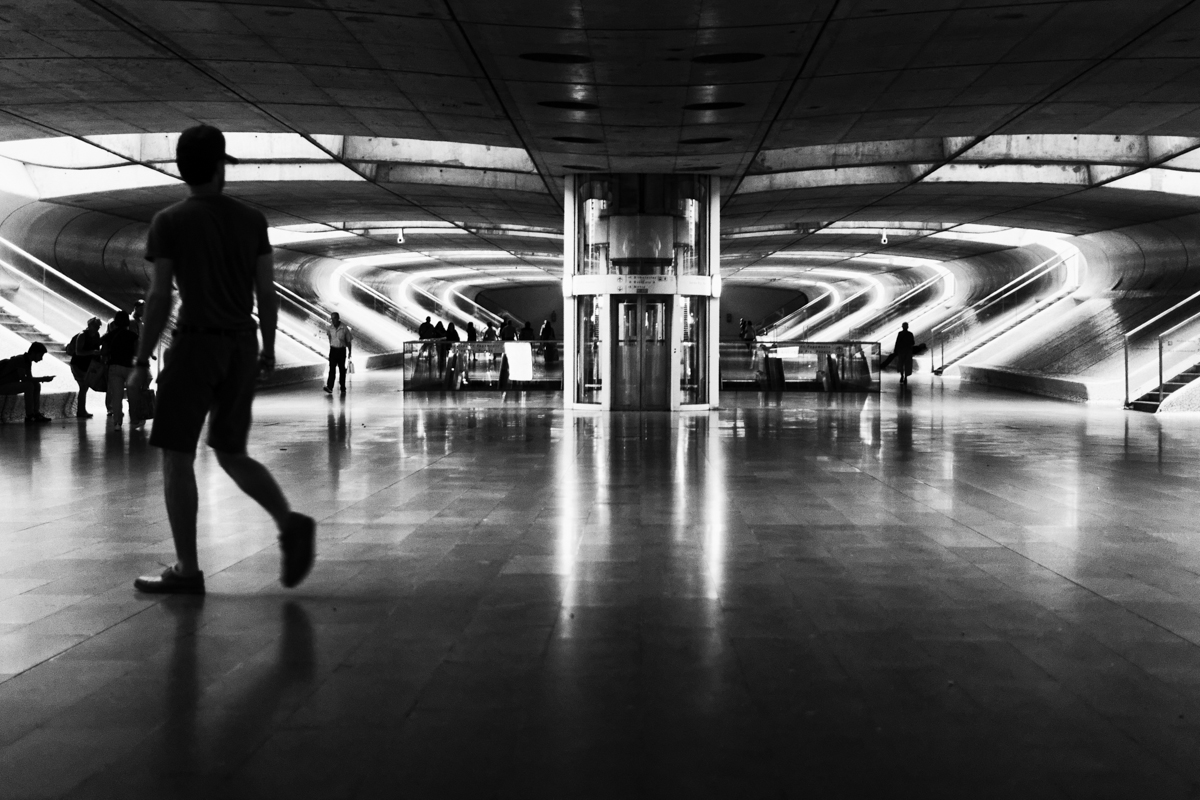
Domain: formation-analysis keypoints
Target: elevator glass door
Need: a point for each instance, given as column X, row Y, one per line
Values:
column 641, row 365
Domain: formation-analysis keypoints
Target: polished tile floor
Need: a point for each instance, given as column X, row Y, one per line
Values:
column 939, row 592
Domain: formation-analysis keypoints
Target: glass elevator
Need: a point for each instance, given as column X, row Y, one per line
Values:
column 641, row 285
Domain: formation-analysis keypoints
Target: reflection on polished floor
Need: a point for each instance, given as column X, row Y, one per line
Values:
column 939, row 592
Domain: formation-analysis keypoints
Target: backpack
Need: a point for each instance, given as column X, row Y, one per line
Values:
column 71, row 345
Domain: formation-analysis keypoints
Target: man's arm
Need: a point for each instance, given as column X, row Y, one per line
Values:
column 268, row 309
column 158, row 311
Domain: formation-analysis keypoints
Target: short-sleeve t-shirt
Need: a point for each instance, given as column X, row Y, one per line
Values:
column 214, row 243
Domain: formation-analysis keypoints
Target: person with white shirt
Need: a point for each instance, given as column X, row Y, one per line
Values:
column 341, row 345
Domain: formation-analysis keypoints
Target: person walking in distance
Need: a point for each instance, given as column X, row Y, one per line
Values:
column 903, row 351
column 216, row 250
column 341, row 345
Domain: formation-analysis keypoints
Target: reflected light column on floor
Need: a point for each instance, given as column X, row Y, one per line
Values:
column 715, row 499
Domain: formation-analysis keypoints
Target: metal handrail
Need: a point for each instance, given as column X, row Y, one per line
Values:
column 1019, row 282
column 1168, row 332
column 308, row 306
column 797, row 317
column 1161, row 382
column 807, row 324
column 47, row 268
column 406, row 316
column 1005, row 291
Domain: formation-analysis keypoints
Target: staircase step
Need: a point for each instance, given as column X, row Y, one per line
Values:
column 1144, row 405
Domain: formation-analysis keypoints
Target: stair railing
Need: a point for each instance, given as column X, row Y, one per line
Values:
column 1163, row 344
column 942, row 330
column 397, row 312
column 30, row 273
column 900, row 304
column 795, row 318
column 1128, row 337
column 60, row 316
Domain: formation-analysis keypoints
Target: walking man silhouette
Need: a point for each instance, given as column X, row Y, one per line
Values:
column 216, row 249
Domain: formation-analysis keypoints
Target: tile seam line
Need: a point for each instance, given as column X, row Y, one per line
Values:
column 396, row 482
column 1051, row 570
column 84, row 640
column 1069, row 623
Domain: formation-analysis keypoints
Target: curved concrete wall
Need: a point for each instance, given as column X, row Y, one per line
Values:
column 312, row 277
column 1159, row 257
column 98, row 250
column 1129, row 277
column 974, row 279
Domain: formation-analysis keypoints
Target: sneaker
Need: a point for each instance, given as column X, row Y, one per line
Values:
column 84, row 415
column 328, row 389
column 170, row 582
column 140, row 425
column 36, row 419
column 298, row 543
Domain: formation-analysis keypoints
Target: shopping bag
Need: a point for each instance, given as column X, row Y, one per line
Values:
column 350, row 366
column 141, row 404
column 96, row 377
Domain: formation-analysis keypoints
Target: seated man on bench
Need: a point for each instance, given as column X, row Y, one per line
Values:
column 16, row 377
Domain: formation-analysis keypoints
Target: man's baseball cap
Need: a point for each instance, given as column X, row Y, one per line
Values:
column 199, row 150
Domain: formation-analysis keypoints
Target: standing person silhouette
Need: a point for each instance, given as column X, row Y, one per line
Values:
column 549, row 336
column 903, row 351
column 341, row 347
column 87, row 347
column 216, row 249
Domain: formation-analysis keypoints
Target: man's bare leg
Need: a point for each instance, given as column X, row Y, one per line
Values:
column 256, row 480
column 296, row 531
column 179, row 489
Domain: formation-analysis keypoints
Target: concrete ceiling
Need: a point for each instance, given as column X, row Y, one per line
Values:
column 1028, row 114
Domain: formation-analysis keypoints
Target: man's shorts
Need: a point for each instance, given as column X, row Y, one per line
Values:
column 209, row 375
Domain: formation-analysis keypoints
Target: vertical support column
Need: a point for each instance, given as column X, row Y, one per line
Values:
column 675, row 347
column 570, row 315
column 604, row 309
column 714, row 315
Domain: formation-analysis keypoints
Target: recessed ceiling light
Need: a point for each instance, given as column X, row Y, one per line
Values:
column 721, row 106
column 578, row 140
column 557, row 58
column 697, row 169
column 705, row 140
column 568, row 105
column 582, row 167
column 727, row 58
